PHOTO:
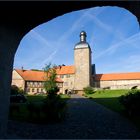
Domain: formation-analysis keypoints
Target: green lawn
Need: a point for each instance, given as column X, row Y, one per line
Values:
column 65, row 96
column 35, row 98
column 109, row 99
column 40, row 98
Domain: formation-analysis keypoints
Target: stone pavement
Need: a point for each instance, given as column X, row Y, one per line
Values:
column 85, row 119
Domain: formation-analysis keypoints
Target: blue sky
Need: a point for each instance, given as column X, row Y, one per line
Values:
column 112, row 32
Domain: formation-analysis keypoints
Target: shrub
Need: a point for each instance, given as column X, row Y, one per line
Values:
column 16, row 90
column 14, row 108
column 134, row 87
column 54, row 107
column 131, row 102
column 89, row 90
column 34, row 109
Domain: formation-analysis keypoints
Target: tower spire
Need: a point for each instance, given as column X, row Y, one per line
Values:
column 83, row 36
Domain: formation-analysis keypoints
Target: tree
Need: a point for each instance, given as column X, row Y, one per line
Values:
column 54, row 105
column 50, row 79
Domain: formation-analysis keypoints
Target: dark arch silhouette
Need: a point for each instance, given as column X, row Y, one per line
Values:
column 18, row 18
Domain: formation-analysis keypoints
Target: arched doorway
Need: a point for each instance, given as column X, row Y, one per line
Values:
column 13, row 28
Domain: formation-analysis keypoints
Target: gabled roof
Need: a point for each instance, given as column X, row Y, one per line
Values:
column 118, row 76
column 29, row 75
column 65, row 70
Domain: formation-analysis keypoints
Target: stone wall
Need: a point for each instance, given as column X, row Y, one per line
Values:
column 118, row 84
column 68, row 82
column 18, row 80
column 82, row 59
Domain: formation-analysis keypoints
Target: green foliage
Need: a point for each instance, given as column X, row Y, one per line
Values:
column 15, row 90
column 54, row 107
column 89, row 90
column 109, row 99
column 50, row 79
column 131, row 102
column 40, row 109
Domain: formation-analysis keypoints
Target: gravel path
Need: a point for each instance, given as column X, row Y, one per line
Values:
column 85, row 119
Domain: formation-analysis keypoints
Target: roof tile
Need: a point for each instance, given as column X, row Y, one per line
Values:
column 30, row 75
column 65, row 70
column 118, row 76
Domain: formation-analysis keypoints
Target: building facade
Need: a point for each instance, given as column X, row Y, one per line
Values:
column 32, row 82
column 76, row 77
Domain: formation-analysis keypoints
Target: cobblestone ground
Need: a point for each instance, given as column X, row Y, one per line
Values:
column 85, row 119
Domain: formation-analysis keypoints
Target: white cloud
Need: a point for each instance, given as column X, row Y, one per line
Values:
column 81, row 21
column 40, row 38
column 130, row 41
column 99, row 23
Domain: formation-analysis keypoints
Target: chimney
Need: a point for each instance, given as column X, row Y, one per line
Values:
column 22, row 68
column 59, row 66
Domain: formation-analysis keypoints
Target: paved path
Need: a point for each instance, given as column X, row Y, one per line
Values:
column 85, row 119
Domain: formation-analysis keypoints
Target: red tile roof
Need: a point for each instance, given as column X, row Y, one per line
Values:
column 118, row 76
column 30, row 75
column 65, row 70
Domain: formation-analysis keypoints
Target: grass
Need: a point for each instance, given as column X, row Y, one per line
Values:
column 64, row 96
column 20, row 111
column 35, row 98
column 109, row 99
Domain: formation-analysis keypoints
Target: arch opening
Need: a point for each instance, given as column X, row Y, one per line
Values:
column 8, row 78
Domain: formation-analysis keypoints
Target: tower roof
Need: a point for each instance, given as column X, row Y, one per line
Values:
column 82, row 43
column 83, row 33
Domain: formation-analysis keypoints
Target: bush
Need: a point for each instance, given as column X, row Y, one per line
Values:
column 54, row 107
column 15, row 90
column 17, row 95
column 131, row 102
column 89, row 90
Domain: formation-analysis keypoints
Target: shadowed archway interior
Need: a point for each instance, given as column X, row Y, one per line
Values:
column 18, row 18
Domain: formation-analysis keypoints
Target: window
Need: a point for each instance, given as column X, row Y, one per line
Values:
column 58, row 84
column 68, row 75
column 33, row 89
column 65, row 83
column 61, row 76
column 35, row 83
column 37, row 90
column 28, row 90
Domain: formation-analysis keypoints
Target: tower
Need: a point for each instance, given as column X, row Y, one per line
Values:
column 82, row 61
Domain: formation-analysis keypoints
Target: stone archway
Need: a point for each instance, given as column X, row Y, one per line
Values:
column 19, row 19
